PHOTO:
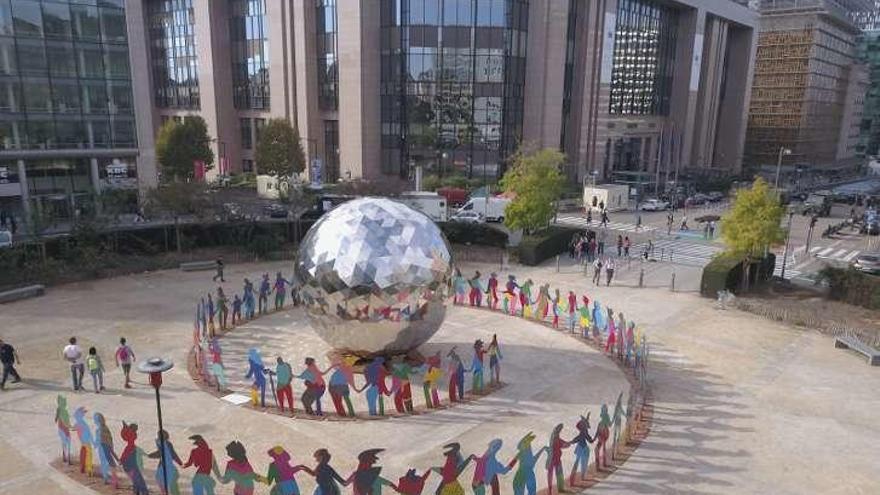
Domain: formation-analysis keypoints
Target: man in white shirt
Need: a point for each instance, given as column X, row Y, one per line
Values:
column 74, row 356
column 609, row 271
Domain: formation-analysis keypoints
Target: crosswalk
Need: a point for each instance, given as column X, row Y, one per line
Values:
column 832, row 253
column 580, row 222
column 681, row 252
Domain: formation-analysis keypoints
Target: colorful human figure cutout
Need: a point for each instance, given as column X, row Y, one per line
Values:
column 238, row 470
column 603, row 432
column 477, row 367
column 451, row 470
column 455, row 372
column 107, row 457
column 86, row 441
column 492, row 291
column 326, row 477
column 401, row 388
column 255, row 372
column 554, row 460
column 131, row 459
column 526, row 459
column 375, row 374
column 431, row 380
column 487, row 470
column 581, row 444
column 167, row 474
column 341, row 384
column 412, row 483
column 367, row 478
column 495, row 357
column 282, row 473
column 202, row 458
column 62, row 424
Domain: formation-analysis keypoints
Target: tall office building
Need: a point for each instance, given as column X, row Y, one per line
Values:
column 869, row 55
column 629, row 89
column 67, row 115
column 809, row 87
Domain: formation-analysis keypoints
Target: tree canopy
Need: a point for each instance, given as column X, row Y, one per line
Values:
column 279, row 150
column 537, row 183
column 180, row 145
column 752, row 225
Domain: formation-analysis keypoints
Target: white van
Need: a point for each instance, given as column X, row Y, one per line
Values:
column 429, row 203
column 492, row 208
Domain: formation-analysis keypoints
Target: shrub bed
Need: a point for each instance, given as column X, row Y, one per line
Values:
column 543, row 245
column 852, row 286
column 725, row 273
column 474, row 233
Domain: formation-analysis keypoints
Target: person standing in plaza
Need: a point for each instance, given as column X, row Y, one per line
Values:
column 669, row 221
column 597, row 270
column 74, row 356
column 219, row 268
column 265, row 289
column 601, row 247
column 96, row 369
column 9, row 358
column 626, row 245
column 619, row 245
column 124, row 357
column 609, row 271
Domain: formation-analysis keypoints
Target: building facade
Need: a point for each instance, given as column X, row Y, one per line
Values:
column 808, row 90
column 67, row 113
column 626, row 88
column 869, row 55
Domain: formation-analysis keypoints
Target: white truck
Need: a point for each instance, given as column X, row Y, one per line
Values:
column 492, row 207
column 613, row 197
column 430, row 203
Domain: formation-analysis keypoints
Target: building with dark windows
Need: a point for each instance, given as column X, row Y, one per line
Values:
column 628, row 88
column 808, row 90
column 67, row 113
column 869, row 55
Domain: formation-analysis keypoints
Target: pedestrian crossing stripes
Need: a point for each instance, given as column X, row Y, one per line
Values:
column 790, row 272
column 581, row 223
column 831, row 253
column 684, row 253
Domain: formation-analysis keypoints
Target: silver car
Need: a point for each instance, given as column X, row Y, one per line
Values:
column 868, row 263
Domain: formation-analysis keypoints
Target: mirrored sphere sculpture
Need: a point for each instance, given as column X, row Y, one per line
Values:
column 374, row 277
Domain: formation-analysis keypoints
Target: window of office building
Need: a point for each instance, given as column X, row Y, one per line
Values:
column 247, row 139
column 247, row 166
column 65, row 81
column 249, row 35
column 328, row 57
column 173, row 53
column 643, row 58
column 331, row 150
column 568, row 78
column 453, row 73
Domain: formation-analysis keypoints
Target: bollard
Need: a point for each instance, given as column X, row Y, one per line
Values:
column 557, row 263
column 670, row 255
column 641, row 278
column 662, row 253
column 673, row 281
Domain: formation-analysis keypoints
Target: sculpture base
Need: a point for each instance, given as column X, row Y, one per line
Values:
column 359, row 360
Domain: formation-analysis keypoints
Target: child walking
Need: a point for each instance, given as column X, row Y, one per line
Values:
column 96, row 369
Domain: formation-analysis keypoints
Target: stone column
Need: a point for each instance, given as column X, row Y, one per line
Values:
column 142, row 92
column 545, row 72
column 25, row 192
column 686, row 81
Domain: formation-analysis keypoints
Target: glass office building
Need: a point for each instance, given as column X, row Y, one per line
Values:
column 65, row 84
column 173, row 53
column 248, row 32
column 453, row 75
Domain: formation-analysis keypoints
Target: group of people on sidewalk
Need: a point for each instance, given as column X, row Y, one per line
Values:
column 79, row 362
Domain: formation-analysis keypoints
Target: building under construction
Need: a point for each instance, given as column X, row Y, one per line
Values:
column 808, row 88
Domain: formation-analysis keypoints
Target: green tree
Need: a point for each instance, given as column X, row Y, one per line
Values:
column 752, row 225
column 181, row 144
column 279, row 151
column 179, row 199
column 535, row 180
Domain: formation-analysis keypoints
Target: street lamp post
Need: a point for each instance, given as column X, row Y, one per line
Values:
column 154, row 367
column 782, row 152
column 787, row 242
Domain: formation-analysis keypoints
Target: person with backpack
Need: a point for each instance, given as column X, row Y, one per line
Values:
column 96, row 369
column 124, row 358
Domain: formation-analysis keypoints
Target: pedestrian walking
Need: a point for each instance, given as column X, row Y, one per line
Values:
column 74, row 356
column 639, row 222
column 124, row 357
column 670, row 220
column 604, row 218
column 236, row 310
column 219, row 268
column 96, row 369
column 597, row 270
column 626, row 245
column 609, row 271
column 712, row 229
column 601, row 245
column 619, row 245
column 589, row 215
column 9, row 358
column 684, row 223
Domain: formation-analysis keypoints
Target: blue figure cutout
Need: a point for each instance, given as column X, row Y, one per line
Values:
column 131, row 459
column 255, row 371
column 248, row 300
column 524, row 478
column 477, row 367
column 104, row 447
column 166, row 472
column 86, row 441
column 581, row 450
column 487, row 470
column 375, row 373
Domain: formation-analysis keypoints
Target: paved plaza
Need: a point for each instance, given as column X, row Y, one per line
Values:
column 742, row 405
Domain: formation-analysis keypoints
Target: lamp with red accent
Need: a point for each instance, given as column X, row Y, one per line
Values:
column 154, row 367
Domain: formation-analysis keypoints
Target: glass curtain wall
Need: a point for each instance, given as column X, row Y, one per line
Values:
column 328, row 56
column 65, row 81
column 248, row 32
column 453, row 73
column 644, row 58
column 173, row 53
column 568, row 81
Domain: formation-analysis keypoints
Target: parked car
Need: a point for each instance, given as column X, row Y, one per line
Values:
column 696, row 200
column 867, row 263
column 275, row 211
column 468, row 217
column 715, row 196
column 5, row 238
column 654, row 205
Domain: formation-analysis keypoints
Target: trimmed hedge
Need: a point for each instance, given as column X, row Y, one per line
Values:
column 474, row 233
column 852, row 286
column 543, row 245
column 725, row 273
